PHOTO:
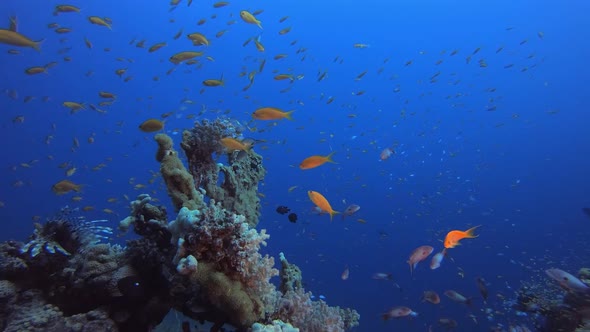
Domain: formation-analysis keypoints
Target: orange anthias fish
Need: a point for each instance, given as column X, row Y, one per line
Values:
column 315, row 161
column 232, row 144
column 271, row 113
column 321, row 202
column 65, row 186
column 453, row 237
column 418, row 255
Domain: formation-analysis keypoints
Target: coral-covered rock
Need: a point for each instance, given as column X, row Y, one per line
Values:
column 234, row 185
column 290, row 276
column 276, row 326
column 179, row 182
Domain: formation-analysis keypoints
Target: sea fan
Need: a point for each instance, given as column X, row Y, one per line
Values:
column 66, row 233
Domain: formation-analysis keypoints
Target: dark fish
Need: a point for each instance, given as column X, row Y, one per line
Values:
column 283, row 209
column 447, row 323
column 292, row 217
column 481, row 284
column 586, row 211
column 131, row 287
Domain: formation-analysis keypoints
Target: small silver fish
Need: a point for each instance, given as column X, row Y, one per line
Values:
column 350, row 210
column 567, row 280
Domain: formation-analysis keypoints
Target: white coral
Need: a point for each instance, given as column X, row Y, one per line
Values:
column 184, row 223
column 187, row 265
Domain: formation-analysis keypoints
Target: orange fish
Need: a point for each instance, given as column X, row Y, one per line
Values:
column 315, row 161
column 232, row 144
column 271, row 113
column 65, row 186
column 418, row 255
column 321, row 202
column 453, row 237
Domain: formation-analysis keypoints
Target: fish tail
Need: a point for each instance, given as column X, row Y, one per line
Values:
column 329, row 157
column 288, row 115
column 333, row 213
column 411, row 268
column 37, row 45
column 471, row 232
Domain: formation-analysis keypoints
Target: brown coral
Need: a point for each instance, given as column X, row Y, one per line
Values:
column 180, row 183
column 234, row 185
column 228, row 296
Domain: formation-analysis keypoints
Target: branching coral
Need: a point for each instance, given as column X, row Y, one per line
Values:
column 230, row 265
column 296, row 307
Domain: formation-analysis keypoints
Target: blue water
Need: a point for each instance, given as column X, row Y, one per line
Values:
column 506, row 148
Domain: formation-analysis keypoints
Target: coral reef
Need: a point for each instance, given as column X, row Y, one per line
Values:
column 296, row 307
column 276, row 326
column 234, row 185
column 65, row 233
column 206, row 263
column 565, row 312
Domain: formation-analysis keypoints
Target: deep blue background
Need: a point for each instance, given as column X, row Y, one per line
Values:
column 521, row 170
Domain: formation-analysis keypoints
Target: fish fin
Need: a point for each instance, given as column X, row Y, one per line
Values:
column 411, row 268
column 37, row 45
column 13, row 24
column 471, row 232
column 333, row 213
column 329, row 158
column 259, row 24
column 288, row 115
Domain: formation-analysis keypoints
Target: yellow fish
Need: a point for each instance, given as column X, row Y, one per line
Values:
column 321, row 202
column 65, row 186
column 183, row 56
column 16, row 39
column 151, row 125
column 99, row 21
column 249, row 18
column 214, row 82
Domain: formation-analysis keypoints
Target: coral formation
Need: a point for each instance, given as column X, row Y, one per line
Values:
column 206, row 263
column 276, row 326
column 180, row 183
column 566, row 312
column 296, row 306
column 234, row 185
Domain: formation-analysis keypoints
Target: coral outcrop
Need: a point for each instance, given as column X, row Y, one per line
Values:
column 562, row 310
column 206, row 263
column 234, row 185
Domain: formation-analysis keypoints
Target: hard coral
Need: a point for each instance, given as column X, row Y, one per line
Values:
column 202, row 142
column 180, row 183
column 237, row 192
column 296, row 307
